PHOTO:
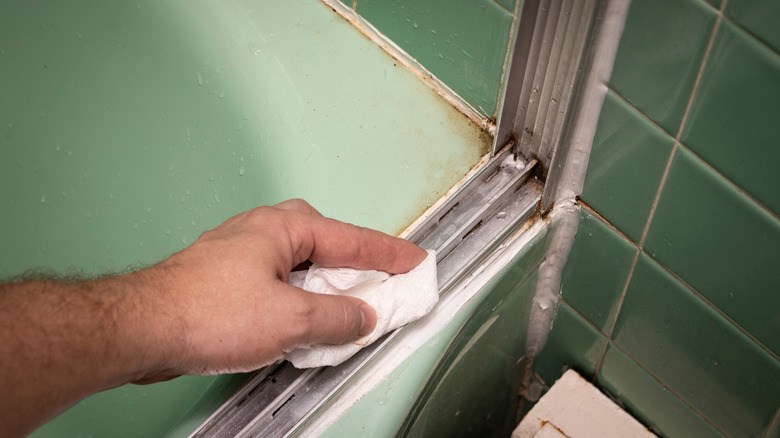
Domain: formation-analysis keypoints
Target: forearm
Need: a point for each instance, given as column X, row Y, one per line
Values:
column 60, row 342
column 221, row 305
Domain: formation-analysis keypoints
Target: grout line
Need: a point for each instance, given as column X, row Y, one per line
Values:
column 668, row 389
column 720, row 174
column 658, row 192
column 617, row 313
column 772, row 424
column 699, row 75
column 752, row 37
column 730, row 321
column 577, row 313
column 609, row 224
column 678, row 279
column 732, row 183
column 497, row 3
column 709, row 6
column 684, row 120
column 638, row 111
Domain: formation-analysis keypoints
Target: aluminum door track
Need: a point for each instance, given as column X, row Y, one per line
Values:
column 495, row 203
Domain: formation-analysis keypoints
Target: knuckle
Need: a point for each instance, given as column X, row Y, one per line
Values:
column 303, row 322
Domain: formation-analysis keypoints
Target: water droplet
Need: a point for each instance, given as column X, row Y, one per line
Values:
column 216, row 198
column 79, row 35
column 211, row 177
column 221, row 95
column 135, row 225
column 414, row 25
column 184, row 240
column 41, row 113
column 43, row 199
column 201, row 81
column 111, row 196
column 10, row 124
column 89, row 214
column 501, row 215
column 70, row 153
column 241, row 171
column 58, row 148
column 148, row 209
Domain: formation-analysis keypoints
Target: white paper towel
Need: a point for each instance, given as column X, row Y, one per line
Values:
column 397, row 299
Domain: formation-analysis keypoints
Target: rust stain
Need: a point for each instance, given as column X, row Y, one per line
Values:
column 414, row 67
column 461, row 120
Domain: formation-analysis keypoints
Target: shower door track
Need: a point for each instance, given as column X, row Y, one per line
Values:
column 494, row 205
column 496, row 210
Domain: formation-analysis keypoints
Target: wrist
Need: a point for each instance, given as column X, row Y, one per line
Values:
column 149, row 332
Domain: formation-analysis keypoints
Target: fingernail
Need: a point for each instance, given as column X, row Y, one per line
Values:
column 369, row 319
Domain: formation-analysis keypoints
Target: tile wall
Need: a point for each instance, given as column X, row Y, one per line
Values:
column 462, row 42
column 671, row 297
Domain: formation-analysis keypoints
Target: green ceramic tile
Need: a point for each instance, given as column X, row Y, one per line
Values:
column 759, row 17
column 573, row 343
column 461, row 42
column 696, row 353
column 626, row 164
column 659, row 55
column 648, row 400
column 596, row 270
column 733, row 121
column 722, row 244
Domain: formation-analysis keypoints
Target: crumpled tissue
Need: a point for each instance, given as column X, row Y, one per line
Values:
column 398, row 300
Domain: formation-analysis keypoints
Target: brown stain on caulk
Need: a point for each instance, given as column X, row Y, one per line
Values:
column 448, row 169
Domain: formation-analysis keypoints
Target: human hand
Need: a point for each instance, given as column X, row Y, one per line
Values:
column 225, row 301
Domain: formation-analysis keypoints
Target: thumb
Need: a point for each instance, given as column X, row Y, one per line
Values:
column 335, row 319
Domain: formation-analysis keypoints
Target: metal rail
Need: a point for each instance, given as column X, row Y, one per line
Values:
column 497, row 200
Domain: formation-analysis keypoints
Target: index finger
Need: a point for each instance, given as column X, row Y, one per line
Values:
column 336, row 244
